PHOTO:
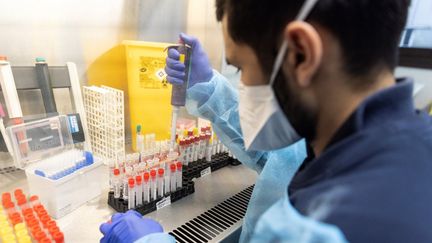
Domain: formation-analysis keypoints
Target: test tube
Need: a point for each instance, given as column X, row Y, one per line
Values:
column 203, row 145
column 153, row 185
column 116, row 183
column 187, row 151
column 167, row 188
column 182, row 149
column 138, row 190
column 173, row 181
column 179, row 175
column 125, row 192
column 209, row 150
column 160, row 182
column 196, row 148
column 34, row 200
column 131, row 203
column 146, row 187
column 214, row 142
column 22, row 203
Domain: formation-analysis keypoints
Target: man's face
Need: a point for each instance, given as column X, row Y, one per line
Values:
column 302, row 116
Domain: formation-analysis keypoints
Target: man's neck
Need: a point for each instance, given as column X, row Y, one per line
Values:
column 337, row 106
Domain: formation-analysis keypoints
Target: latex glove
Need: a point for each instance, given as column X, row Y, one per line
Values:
column 128, row 227
column 201, row 70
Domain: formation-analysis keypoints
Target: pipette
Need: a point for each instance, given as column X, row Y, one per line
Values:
column 178, row 94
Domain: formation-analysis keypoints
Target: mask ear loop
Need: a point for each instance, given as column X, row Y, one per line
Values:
column 304, row 12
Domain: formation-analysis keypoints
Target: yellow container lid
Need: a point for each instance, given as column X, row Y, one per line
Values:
column 24, row 239
column 4, row 224
column 6, row 230
column 20, row 226
column 195, row 131
column 21, row 233
column 3, row 218
column 8, row 238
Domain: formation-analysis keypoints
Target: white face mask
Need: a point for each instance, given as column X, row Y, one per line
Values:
column 264, row 125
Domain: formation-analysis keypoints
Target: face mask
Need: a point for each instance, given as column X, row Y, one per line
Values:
column 264, row 125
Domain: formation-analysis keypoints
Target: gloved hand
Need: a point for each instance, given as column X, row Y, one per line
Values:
column 128, row 227
column 201, row 70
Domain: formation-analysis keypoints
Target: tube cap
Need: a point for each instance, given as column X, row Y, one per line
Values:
column 51, row 223
column 34, row 229
column 45, row 219
column 45, row 240
column 39, row 235
column 173, row 167
column 131, row 182
column 33, row 222
column 153, row 173
column 34, row 198
column 40, row 59
column 21, row 201
column 53, row 229
column 161, row 171
column 116, row 172
column 58, row 237
column 146, row 176
column 138, row 179
column 18, row 191
column 179, row 165
column 195, row 131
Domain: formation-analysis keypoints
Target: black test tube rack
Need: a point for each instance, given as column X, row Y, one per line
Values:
column 193, row 170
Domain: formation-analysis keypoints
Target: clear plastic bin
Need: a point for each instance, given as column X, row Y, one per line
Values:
column 64, row 177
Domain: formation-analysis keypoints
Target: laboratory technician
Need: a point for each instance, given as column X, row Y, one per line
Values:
column 322, row 70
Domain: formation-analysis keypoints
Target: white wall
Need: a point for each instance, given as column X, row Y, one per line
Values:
column 201, row 19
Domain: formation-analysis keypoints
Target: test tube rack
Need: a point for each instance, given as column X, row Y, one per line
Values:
column 121, row 205
column 193, row 170
column 105, row 117
column 26, row 220
column 218, row 161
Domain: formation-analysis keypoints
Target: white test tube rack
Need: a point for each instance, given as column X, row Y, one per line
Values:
column 105, row 118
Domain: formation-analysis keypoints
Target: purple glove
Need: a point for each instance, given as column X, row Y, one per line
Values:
column 128, row 227
column 201, row 70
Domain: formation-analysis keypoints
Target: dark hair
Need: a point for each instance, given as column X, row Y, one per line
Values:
column 368, row 30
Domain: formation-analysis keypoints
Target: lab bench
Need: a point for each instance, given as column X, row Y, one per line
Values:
column 82, row 225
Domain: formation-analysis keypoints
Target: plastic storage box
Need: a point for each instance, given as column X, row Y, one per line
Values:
column 63, row 176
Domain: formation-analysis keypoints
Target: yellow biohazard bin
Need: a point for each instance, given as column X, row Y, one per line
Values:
column 149, row 92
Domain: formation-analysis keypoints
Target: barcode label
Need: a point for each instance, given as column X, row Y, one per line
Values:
column 163, row 203
column 206, row 172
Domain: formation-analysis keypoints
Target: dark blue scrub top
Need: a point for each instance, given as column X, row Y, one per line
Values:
column 374, row 180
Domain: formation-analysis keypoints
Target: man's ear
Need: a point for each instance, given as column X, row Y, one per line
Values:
column 305, row 51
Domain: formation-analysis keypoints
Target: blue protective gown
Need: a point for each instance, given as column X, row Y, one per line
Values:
column 270, row 216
